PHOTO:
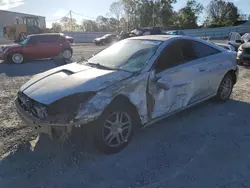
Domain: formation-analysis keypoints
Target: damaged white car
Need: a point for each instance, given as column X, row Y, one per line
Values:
column 127, row 86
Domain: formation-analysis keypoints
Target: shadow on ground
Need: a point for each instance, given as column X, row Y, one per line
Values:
column 30, row 68
column 206, row 146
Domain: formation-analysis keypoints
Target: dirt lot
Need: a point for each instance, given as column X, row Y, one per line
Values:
column 206, row 146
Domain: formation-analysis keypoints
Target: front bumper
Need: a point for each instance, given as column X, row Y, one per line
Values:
column 2, row 56
column 42, row 126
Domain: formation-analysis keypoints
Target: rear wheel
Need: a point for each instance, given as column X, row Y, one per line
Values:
column 67, row 54
column 16, row 58
column 114, row 129
column 226, row 87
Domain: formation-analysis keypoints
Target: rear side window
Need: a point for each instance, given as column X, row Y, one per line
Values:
column 48, row 39
column 62, row 39
column 202, row 50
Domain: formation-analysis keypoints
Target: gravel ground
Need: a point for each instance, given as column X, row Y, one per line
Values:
column 205, row 146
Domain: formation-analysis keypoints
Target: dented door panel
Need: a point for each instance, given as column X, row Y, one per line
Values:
column 186, row 85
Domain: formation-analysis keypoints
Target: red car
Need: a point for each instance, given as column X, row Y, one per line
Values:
column 37, row 46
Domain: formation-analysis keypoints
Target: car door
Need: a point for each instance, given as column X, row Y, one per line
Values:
column 38, row 48
column 34, row 49
column 178, row 81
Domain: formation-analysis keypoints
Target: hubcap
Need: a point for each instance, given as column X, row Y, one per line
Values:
column 226, row 87
column 117, row 129
column 67, row 54
column 17, row 58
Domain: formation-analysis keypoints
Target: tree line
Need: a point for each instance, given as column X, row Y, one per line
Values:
column 130, row 14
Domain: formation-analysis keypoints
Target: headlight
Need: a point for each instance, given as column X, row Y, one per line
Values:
column 70, row 104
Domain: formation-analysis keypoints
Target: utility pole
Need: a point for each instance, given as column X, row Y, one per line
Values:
column 153, row 15
column 71, row 20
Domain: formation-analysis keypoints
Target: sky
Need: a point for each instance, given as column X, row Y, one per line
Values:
column 53, row 10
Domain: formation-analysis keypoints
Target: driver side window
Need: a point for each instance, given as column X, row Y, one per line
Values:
column 171, row 56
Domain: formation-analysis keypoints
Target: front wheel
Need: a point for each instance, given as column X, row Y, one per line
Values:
column 16, row 58
column 225, row 89
column 114, row 129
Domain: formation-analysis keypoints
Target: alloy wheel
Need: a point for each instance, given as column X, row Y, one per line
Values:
column 67, row 54
column 117, row 129
column 226, row 87
column 17, row 58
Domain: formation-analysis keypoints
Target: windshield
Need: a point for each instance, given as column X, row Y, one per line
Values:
column 129, row 55
column 25, row 41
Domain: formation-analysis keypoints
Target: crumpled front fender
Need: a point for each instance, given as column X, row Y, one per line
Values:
column 133, row 88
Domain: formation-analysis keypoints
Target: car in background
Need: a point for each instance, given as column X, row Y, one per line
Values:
column 127, row 86
column 226, row 46
column 174, row 32
column 140, row 31
column 236, row 40
column 37, row 46
column 106, row 39
column 243, row 54
column 70, row 39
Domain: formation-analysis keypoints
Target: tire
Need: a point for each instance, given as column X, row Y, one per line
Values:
column 16, row 58
column 225, row 89
column 67, row 54
column 107, row 135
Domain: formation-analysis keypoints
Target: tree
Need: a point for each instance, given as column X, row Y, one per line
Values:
column 89, row 26
column 166, row 12
column 222, row 13
column 186, row 18
column 68, row 24
column 116, row 9
column 56, row 27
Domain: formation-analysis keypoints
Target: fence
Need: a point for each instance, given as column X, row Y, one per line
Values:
column 220, row 33
column 216, row 33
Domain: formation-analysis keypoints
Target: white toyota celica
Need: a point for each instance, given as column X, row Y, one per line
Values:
column 127, row 86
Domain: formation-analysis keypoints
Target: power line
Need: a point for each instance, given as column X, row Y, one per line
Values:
column 59, row 18
column 82, row 15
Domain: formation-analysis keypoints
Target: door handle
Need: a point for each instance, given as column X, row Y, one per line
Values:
column 219, row 65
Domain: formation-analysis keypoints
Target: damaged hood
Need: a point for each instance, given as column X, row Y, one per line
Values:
column 69, row 79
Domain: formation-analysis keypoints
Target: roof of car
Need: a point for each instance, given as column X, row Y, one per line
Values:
column 156, row 37
column 46, row 34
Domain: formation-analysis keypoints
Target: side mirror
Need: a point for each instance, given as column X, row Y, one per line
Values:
column 158, row 81
column 162, row 85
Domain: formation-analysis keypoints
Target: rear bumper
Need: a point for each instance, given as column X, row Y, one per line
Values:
column 243, row 61
column 243, row 58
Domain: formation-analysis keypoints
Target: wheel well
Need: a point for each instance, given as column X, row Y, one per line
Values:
column 67, row 48
column 125, row 100
column 232, row 72
column 11, row 53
